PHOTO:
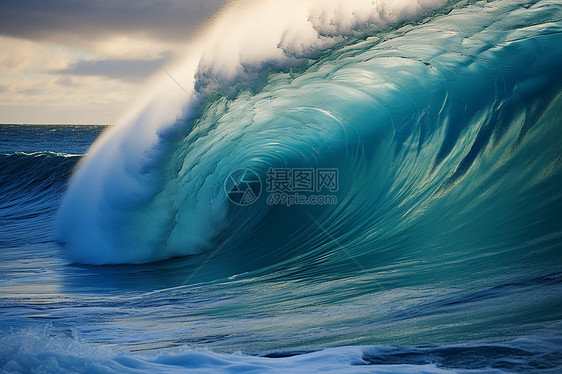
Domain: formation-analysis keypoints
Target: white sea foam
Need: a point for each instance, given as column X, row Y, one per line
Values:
column 36, row 352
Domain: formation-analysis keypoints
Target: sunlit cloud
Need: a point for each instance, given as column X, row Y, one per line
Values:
column 86, row 62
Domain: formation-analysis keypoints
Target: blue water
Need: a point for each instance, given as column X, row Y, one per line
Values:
column 443, row 252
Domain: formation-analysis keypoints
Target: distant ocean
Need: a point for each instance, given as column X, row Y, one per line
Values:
column 389, row 203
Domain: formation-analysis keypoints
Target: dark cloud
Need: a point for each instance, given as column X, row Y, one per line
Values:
column 131, row 71
column 30, row 91
column 51, row 20
column 66, row 82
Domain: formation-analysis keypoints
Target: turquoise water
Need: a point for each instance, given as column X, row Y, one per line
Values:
column 442, row 250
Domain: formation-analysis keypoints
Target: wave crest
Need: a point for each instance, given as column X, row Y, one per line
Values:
column 428, row 124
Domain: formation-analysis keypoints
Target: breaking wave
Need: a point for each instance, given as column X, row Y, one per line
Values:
column 441, row 118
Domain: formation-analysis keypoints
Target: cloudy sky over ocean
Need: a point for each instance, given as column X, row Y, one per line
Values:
column 78, row 61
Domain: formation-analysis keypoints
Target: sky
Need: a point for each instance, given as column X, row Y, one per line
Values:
column 85, row 61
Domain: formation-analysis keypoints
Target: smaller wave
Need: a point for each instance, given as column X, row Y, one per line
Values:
column 16, row 165
column 29, row 351
column 37, row 176
column 41, row 154
column 22, row 169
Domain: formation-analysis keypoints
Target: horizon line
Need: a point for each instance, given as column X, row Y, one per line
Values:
column 54, row 124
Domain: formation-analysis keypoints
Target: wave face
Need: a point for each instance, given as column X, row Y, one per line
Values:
column 445, row 131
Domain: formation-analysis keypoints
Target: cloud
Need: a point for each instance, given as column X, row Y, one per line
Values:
column 130, row 71
column 31, row 91
column 47, row 99
column 60, row 20
column 84, row 61
column 66, row 82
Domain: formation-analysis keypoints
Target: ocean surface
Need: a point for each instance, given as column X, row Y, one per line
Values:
column 365, row 188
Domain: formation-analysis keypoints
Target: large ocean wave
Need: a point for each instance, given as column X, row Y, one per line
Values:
column 442, row 119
